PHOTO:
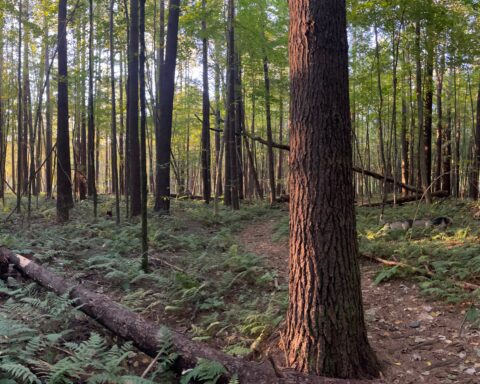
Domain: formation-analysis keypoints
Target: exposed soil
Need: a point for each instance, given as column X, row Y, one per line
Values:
column 418, row 340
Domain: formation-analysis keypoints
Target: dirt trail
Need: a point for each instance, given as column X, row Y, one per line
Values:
column 416, row 339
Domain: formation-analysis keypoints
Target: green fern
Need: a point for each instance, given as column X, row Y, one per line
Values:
column 20, row 372
column 206, row 371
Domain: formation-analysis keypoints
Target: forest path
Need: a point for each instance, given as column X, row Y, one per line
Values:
column 416, row 339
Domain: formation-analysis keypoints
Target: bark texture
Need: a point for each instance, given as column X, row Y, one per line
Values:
column 326, row 331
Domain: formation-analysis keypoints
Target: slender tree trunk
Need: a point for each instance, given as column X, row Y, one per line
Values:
column 27, row 112
column 64, row 184
column 132, row 114
column 456, row 125
column 20, row 112
column 251, row 160
column 206, row 172
column 48, row 130
column 405, row 143
column 326, row 332
column 121, row 151
column 83, row 166
column 271, row 159
column 231, row 179
column 395, row 54
column 477, row 148
column 218, row 168
column 164, row 146
column 92, row 189
column 239, row 125
column 143, row 140
column 439, row 141
column 429, row 106
column 421, row 135
column 280, row 153
column 413, row 159
column 380, row 114
column 447, row 150
column 114, row 120
column 158, row 85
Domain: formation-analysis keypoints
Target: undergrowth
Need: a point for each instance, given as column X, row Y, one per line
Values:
column 441, row 260
column 200, row 279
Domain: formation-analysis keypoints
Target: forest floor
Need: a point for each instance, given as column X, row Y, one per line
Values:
column 223, row 280
column 416, row 339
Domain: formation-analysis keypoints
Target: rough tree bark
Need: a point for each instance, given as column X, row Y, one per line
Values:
column 326, row 331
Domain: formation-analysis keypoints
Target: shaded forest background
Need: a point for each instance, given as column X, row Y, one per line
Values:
column 414, row 82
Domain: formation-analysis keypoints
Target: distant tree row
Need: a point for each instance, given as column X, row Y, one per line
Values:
column 191, row 98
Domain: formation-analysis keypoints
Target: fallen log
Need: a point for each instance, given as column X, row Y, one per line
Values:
column 375, row 175
column 387, row 179
column 390, row 263
column 150, row 337
column 406, row 199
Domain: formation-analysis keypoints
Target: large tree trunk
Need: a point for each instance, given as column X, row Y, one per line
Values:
column 164, row 145
column 64, row 186
column 206, row 177
column 326, row 331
